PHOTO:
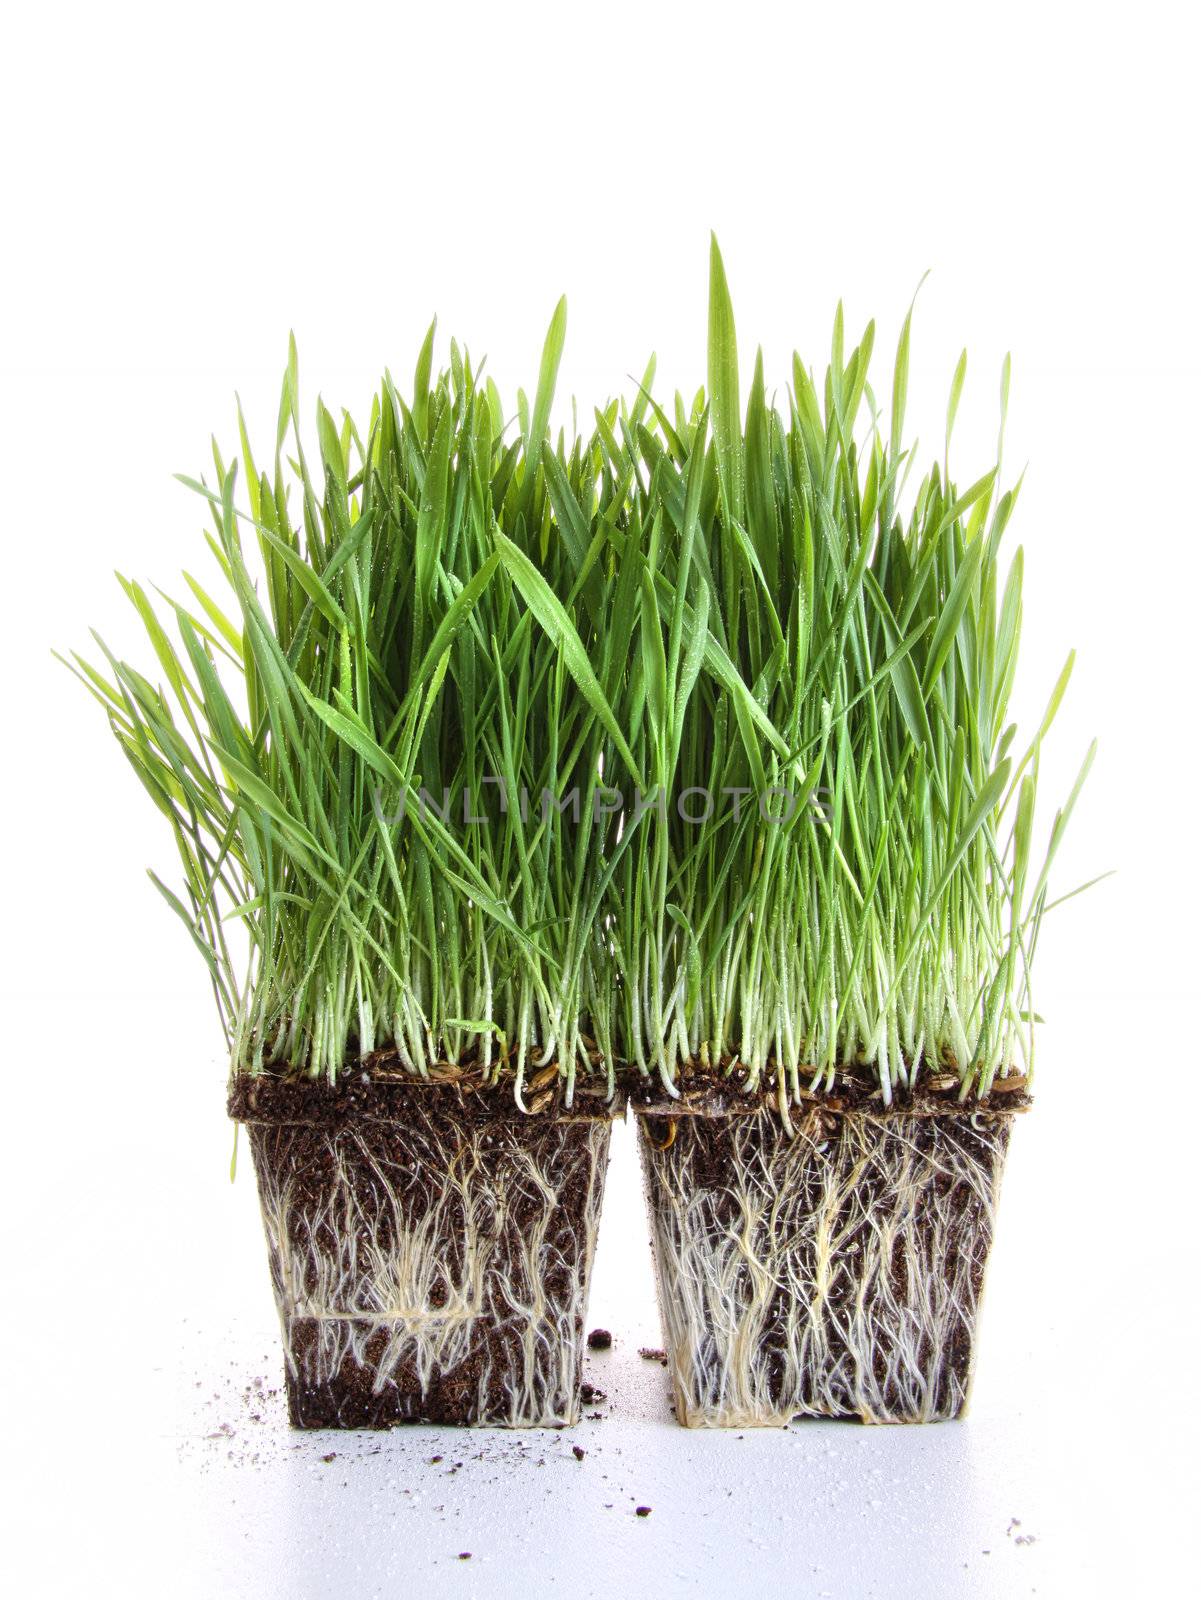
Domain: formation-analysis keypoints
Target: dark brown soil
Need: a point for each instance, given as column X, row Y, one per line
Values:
column 346, row 1172
column 950, row 1158
column 380, row 1090
column 705, row 1092
column 600, row 1339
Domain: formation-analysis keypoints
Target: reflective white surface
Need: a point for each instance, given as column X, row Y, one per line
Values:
column 146, row 1447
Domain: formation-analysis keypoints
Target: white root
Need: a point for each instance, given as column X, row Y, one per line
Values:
column 437, row 1272
column 837, row 1275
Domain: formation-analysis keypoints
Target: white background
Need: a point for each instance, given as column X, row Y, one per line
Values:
column 183, row 185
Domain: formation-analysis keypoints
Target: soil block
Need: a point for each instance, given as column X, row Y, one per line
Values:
column 834, row 1273
column 430, row 1248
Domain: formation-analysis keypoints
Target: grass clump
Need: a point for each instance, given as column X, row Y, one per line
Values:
column 364, row 728
column 679, row 742
column 807, row 654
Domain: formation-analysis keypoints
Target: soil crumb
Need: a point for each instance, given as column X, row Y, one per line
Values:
column 600, row 1339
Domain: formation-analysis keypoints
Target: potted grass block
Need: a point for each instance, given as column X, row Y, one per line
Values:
column 825, row 940
column 360, row 732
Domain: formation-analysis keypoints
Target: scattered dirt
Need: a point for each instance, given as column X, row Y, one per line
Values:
column 235, row 1422
column 649, row 1353
column 232, row 1429
column 600, row 1339
column 590, row 1394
